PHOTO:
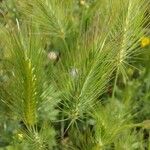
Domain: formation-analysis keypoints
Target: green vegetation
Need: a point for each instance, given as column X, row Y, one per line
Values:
column 74, row 75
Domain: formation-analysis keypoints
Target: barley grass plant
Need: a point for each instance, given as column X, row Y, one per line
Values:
column 74, row 75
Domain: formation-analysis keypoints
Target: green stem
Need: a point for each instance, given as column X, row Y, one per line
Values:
column 65, row 44
column 62, row 128
column 115, row 83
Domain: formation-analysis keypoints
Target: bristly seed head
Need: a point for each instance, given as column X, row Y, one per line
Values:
column 20, row 136
column 75, row 114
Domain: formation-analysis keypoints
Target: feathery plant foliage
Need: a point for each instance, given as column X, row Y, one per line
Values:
column 70, row 71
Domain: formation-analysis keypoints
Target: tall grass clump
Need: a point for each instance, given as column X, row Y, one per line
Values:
column 74, row 75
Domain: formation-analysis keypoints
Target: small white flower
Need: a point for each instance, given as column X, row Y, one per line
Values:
column 53, row 55
column 74, row 72
column 82, row 2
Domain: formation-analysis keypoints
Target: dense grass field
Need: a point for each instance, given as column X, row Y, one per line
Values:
column 74, row 75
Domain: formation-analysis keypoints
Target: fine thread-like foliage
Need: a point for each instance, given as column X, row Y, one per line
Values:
column 69, row 72
column 27, row 75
